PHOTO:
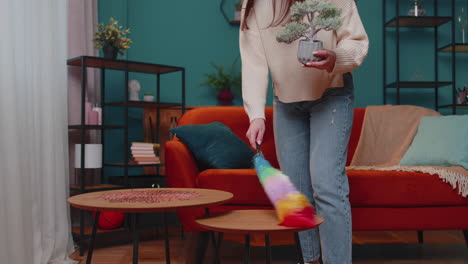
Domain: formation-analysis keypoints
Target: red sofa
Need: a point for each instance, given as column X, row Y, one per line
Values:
column 380, row 200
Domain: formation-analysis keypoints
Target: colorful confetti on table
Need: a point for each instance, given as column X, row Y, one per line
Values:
column 149, row 196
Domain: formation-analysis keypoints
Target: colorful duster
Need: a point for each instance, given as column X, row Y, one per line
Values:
column 292, row 207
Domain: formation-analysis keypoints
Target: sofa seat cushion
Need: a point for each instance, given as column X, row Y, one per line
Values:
column 400, row 189
column 243, row 183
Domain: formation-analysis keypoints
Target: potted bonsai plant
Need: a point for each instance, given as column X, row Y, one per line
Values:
column 224, row 82
column 319, row 15
column 111, row 39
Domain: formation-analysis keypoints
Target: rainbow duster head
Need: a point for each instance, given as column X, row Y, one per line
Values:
column 292, row 207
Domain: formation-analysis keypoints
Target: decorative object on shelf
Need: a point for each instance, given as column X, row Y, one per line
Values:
column 111, row 39
column 416, row 8
column 462, row 19
column 143, row 153
column 462, row 95
column 134, row 88
column 224, row 81
column 321, row 16
column 148, row 97
column 93, row 156
column 98, row 110
column 237, row 13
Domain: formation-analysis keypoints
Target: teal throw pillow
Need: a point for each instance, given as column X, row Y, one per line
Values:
column 215, row 145
column 440, row 141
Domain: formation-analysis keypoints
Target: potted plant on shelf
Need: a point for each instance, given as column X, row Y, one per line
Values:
column 111, row 40
column 224, row 82
column 319, row 15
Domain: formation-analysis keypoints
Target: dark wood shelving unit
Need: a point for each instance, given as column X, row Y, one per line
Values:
column 122, row 65
column 96, row 127
column 88, row 230
column 99, row 187
column 133, row 164
column 459, row 47
column 418, row 84
column 421, row 21
column 144, row 104
column 125, row 66
column 462, row 106
column 433, row 22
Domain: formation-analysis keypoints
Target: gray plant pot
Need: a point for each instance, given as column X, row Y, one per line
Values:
column 305, row 49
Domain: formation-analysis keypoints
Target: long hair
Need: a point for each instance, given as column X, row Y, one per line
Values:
column 285, row 6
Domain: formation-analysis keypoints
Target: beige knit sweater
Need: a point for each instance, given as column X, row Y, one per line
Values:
column 261, row 54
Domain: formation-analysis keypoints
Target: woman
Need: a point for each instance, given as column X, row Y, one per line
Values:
column 313, row 112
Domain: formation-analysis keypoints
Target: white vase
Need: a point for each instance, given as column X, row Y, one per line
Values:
column 306, row 48
column 148, row 98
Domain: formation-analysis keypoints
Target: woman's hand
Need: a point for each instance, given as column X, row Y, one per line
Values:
column 328, row 63
column 256, row 132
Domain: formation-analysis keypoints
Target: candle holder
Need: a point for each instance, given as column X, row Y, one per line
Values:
column 462, row 20
column 416, row 8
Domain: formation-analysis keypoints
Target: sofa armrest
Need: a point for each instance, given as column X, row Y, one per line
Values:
column 181, row 172
column 181, row 168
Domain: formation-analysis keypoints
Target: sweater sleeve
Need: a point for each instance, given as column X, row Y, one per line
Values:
column 254, row 69
column 352, row 41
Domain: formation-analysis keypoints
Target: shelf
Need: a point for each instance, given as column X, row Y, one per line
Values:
column 88, row 230
column 139, row 181
column 144, row 104
column 418, row 84
column 462, row 106
column 411, row 21
column 97, row 127
column 458, row 48
column 123, row 65
column 99, row 187
column 132, row 164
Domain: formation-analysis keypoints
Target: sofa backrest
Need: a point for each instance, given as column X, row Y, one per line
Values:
column 236, row 119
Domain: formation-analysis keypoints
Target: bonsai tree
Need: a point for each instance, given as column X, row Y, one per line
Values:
column 111, row 39
column 320, row 15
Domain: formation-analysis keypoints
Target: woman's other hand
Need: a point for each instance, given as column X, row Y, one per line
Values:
column 328, row 63
column 256, row 131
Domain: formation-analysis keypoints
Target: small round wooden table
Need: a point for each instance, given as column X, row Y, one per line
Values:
column 160, row 201
column 250, row 222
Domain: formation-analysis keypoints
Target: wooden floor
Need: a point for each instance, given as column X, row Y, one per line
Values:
column 440, row 247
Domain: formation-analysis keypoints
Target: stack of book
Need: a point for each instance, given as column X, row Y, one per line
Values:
column 143, row 153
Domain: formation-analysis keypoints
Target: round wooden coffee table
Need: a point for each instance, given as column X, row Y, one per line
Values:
column 250, row 222
column 144, row 201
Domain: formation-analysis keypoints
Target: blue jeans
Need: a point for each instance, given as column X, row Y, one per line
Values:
column 311, row 140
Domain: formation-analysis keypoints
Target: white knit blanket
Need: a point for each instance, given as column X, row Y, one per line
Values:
column 387, row 133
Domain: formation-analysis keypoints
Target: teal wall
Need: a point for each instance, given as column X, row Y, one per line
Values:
column 193, row 34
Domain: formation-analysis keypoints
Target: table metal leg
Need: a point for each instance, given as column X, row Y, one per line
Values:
column 166, row 238
column 202, row 244
column 247, row 249
column 135, row 238
column 268, row 248
column 299, row 248
column 93, row 238
column 217, row 247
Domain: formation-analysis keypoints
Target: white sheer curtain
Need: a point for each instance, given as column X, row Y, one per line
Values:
column 34, row 215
